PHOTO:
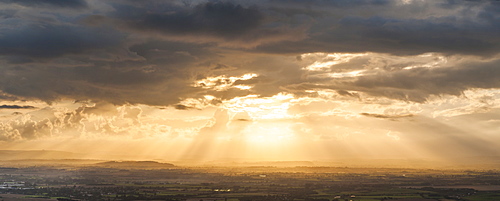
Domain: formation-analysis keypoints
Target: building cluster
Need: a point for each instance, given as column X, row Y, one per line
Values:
column 12, row 184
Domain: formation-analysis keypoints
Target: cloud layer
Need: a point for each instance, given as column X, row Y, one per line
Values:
column 386, row 75
column 113, row 50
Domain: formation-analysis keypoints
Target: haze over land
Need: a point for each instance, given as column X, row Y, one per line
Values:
column 341, row 82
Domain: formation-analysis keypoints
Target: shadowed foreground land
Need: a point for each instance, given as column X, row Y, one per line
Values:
column 162, row 181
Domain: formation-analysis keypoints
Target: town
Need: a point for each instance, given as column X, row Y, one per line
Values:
column 253, row 183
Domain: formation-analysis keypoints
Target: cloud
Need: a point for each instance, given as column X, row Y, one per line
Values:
column 222, row 19
column 181, row 107
column 166, row 69
column 152, row 52
column 101, row 119
column 415, row 83
column 43, row 41
column 16, row 107
column 384, row 116
column 235, row 75
column 419, row 83
column 225, row 23
column 75, row 4
column 415, row 27
column 398, row 36
column 418, row 35
column 25, row 128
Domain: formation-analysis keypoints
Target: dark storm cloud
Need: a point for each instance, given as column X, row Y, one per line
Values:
column 467, row 27
column 49, row 3
column 222, row 22
column 400, row 36
column 218, row 19
column 417, row 36
column 7, row 14
column 95, row 83
column 151, row 52
column 49, row 40
column 171, row 54
column 336, row 3
column 151, row 72
column 16, row 107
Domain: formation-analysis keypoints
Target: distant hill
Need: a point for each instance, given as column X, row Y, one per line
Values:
column 135, row 164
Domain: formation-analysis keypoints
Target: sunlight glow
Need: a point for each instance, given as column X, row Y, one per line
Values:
column 328, row 60
column 347, row 74
column 222, row 83
column 242, row 87
column 438, row 61
column 275, row 107
column 269, row 134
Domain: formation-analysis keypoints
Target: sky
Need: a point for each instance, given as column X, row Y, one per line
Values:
column 262, row 80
